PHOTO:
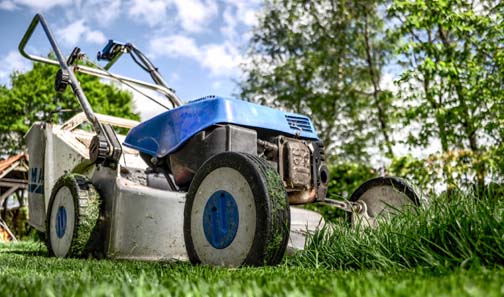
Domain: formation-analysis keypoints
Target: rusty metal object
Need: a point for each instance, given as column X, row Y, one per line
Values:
column 305, row 176
column 302, row 197
column 267, row 146
column 5, row 233
column 298, row 165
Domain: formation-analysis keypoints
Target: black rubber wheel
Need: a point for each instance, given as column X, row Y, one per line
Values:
column 385, row 196
column 236, row 213
column 73, row 213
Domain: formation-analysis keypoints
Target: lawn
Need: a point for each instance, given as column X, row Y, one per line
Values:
column 26, row 271
column 453, row 248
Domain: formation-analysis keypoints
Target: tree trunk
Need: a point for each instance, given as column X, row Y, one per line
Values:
column 375, row 81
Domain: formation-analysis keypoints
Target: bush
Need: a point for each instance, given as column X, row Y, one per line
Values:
column 347, row 177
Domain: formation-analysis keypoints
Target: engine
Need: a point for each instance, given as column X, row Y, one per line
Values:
column 300, row 162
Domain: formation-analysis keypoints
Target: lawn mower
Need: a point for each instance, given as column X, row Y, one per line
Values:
column 212, row 179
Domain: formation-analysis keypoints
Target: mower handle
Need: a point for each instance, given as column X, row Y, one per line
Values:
column 39, row 18
column 86, row 107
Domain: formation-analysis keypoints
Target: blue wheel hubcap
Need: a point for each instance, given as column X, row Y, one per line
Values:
column 61, row 219
column 220, row 219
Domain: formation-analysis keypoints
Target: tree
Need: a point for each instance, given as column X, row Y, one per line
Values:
column 325, row 59
column 454, row 77
column 32, row 98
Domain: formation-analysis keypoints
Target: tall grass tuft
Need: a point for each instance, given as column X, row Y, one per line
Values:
column 460, row 231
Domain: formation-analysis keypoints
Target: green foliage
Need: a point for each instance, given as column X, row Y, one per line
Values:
column 425, row 174
column 347, row 177
column 17, row 221
column 428, row 173
column 26, row 271
column 325, row 58
column 453, row 77
column 32, row 98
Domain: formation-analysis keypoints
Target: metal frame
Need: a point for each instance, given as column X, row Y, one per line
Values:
column 107, row 148
column 348, row 206
column 38, row 18
column 86, row 107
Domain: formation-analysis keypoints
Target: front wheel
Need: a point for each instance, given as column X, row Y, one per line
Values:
column 74, row 210
column 236, row 213
column 382, row 198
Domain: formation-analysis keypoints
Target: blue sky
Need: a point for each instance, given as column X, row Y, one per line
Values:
column 198, row 45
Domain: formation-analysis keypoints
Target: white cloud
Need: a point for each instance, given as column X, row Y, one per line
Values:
column 7, row 5
column 246, row 10
column 193, row 15
column 221, row 59
column 250, row 17
column 152, row 12
column 174, row 46
column 146, row 107
column 95, row 37
column 38, row 5
column 216, row 85
column 13, row 61
column 101, row 12
column 72, row 34
column 230, row 23
column 174, row 77
column 238, row 12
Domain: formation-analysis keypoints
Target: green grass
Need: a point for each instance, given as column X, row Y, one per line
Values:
column 26, row 271
column 461, row 231
column 453, row 248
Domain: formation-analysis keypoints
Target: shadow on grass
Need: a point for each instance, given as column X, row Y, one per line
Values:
column 25, row 248
column 24, row 252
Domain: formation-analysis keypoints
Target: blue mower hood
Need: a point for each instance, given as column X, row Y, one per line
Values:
column 166, row 132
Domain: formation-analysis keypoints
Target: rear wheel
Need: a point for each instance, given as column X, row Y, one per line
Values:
column 382, row 198
column 236, row 213
column 73, row 213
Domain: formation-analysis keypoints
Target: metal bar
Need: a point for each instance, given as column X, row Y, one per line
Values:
column 347, row 206
column 14, row 180
column 79, row 118
column 86, row 107
column 105, row 74
column 155, row 75
column 172, row 97
column 10, row 168
column 7, row 194
column 112, row 62
column 4, row 226
column 10, row 184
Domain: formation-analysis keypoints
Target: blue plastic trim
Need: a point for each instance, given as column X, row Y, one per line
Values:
column 220, row 219
column 166, row 132
column 106, row 53
column 61, row 222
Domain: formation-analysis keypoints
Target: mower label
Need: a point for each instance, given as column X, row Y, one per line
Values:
column 36, row 181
